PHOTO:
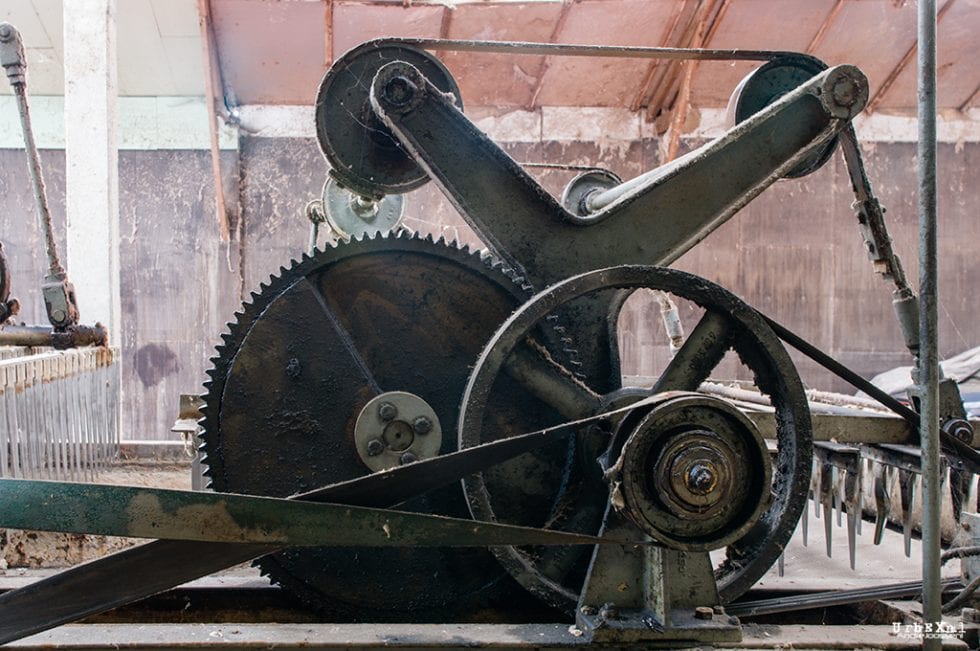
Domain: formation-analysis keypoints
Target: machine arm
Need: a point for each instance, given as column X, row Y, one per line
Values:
column 653, row 220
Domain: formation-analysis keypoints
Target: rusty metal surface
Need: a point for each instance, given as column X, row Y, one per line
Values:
column 361, row 303
column 755, row 344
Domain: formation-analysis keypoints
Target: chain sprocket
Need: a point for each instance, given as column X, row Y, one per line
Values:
column 312, row 347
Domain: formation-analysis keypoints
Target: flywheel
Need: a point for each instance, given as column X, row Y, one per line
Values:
column 729, row 500
column 352, row 361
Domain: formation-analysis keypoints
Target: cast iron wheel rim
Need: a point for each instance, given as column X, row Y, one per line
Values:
column 364, row 155
column 476, row 575
column 758, row 347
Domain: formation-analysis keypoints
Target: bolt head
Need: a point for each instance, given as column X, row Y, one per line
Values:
column 700, row 478
column 375, row 447
column 422, row 425
column 387, row 411
column 704, row 612
column 407, row 458
column 845, row 92
column 399, row 90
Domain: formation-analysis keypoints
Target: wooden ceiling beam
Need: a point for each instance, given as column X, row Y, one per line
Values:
column 886, row 85
column 646, row 87
column 824, row 26
column 969, row 100
column 447, row 19
column 566, row 7
column 668, row 92
column 684, row 94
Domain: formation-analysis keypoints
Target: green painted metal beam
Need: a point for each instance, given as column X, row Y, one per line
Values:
column 223, row 517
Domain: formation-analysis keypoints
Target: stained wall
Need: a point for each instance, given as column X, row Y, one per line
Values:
column 794, row 253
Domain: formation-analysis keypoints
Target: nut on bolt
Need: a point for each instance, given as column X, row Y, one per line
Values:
column 375, row 447
column 407, row 458
column 399, row 90
column 704, row 612
column 422, row 425
column 387, row 411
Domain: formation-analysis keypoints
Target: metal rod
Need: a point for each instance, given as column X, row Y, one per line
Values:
column 571, row 49
column 831, row 598
column 928, row 377
column 18, row 81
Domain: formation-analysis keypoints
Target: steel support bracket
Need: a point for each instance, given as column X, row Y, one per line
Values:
column 642, row 593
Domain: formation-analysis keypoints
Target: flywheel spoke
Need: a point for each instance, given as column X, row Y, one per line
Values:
column 701, row 353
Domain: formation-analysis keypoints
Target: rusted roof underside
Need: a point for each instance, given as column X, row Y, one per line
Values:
column 274, row 52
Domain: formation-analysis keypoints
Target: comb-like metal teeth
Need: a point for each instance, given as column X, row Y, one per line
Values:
column 906, row 481
column 959, row 489
column 883, row 477
column 827, row 503
column 852, row 502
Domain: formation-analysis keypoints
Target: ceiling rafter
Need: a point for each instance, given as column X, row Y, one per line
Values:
column 668, row 92
column 646, row 87
column 969, row 100
column 684, row 94
column 566, row 7
column 824, row 26
column 886, row 85
column 447, row 19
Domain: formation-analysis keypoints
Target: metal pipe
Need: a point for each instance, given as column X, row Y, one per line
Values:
column 16, row 66
column 72, row 337
column 928, row 375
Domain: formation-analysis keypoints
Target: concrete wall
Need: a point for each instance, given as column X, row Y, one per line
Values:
column 795, row 253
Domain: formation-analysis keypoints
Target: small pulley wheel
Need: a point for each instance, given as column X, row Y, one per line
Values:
column 765, row 85
column 755, row 540
column 693, row 472
column 352, row 216
column 364, row 156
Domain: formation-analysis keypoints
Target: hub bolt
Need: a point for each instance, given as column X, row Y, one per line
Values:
column 387, row 411
column 407, row 458
column 422, row 425
column 399, row 90
column 700, row 478
column 375, row 447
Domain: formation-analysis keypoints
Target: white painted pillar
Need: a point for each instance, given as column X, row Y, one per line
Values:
column 92, row 174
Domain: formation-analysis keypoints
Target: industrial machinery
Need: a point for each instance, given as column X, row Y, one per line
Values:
column 60, row 304
column 402, row 430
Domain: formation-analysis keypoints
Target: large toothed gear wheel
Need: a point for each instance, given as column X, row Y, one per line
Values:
column 759, row 524
column 351, row 361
